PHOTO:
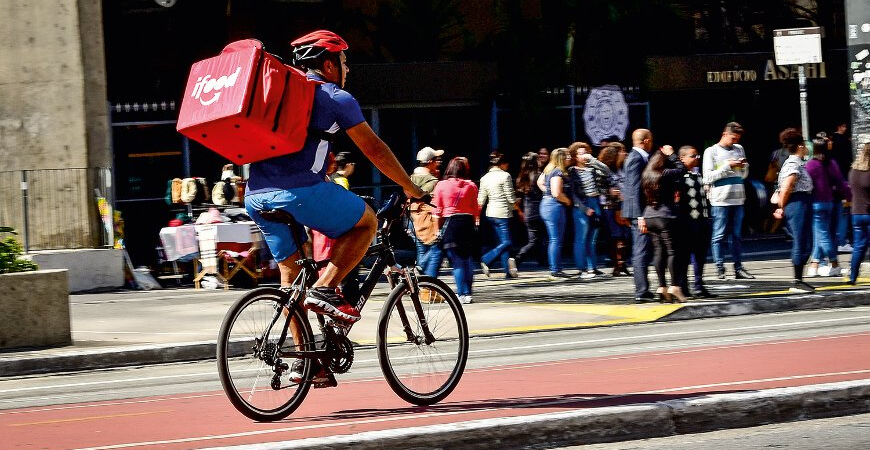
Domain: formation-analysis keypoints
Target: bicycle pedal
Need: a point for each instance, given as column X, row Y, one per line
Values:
column 330, row 381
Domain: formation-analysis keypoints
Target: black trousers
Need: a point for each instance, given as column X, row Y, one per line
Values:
column 666, row 236
column 537, row 233
column 696, row 247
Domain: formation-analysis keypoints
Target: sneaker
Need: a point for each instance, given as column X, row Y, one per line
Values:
column 835, row 272
column 597, row 272
column 799, row 287
column 466, row 299
column 328, row 301
column 720, row 273
column 588, row 275
column 845, row 248
column 824, row 271
column 512, row 268
column 742, row 274
column 812, row 272
column 485, row 269
column 322, row 377
column 554, row 276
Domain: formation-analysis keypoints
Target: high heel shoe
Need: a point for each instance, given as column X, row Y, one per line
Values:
column 677, row 294
column 663, row 295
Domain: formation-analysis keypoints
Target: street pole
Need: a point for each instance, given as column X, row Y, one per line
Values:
column 802, row 84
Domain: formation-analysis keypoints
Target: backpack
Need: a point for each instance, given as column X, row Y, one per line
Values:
column 425, row 222
column 246, row 105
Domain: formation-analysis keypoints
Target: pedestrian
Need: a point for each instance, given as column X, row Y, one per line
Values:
column 829, row 191
column 613, row 156
column 841, row 151
column 530, row 196
column 661, row 181
column 794, row 203
column 633, row 204
column 694, row 214
column 497, row 192
column 725, row 168
column 543, row 157
column 859, row 179
column 553, row 204
column 425, row 176
column 344, row 165
column 455, row 199
column 585, row 178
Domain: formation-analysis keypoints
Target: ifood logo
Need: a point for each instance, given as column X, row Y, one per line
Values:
column 207, row 84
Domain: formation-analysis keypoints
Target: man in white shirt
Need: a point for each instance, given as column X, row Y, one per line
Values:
column 497, row 191
column 725, row 168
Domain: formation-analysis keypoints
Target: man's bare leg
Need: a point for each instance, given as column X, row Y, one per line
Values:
column 289, row 271
column 349, row 249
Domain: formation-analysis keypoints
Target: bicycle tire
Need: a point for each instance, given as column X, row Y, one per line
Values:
column 252, row 393
column 423, row 374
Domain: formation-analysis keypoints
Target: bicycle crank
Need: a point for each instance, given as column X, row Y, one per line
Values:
column 343, row 351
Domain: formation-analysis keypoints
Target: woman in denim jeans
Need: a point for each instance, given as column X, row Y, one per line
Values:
column 859, row 179
column 829, row 189
column 497, row 191
column 586, row 178
column 552, row 183
column 455, row 198
column 795, row 204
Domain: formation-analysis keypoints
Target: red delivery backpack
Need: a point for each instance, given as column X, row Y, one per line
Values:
column 246, row 105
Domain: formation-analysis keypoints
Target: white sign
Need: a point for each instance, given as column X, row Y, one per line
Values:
column 797, row 45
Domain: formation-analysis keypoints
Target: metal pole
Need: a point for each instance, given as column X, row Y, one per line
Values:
column 493, row 127
column 24, row 201
column 185, row 156
column 802, row 83
column 376, row 174
column 573, row 114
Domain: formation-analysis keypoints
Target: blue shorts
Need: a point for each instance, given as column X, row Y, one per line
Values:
column 325, row 207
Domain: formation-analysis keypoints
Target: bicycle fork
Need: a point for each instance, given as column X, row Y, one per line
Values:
column 410, row 279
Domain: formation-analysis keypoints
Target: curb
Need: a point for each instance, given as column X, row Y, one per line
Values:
column 610, row 424
column 59, row 360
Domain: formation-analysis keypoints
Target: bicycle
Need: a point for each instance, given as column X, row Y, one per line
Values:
column 422, row 335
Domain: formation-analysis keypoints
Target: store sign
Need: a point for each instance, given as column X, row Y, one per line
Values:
column 797, row 45
column 771, row 72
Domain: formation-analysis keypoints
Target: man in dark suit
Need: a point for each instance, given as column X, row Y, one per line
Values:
column 633, row 204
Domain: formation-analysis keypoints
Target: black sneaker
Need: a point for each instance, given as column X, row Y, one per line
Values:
column 742, row 274
column 328, row 301
column 720, row 272
column 799, row 287
column 703, row 293
column 558, row 276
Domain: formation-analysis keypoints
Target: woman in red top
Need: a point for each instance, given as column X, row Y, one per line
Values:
column 456, row 199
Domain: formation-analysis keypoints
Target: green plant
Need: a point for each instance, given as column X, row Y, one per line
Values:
column 10, row 250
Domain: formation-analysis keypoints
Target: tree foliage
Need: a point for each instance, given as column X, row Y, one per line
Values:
column 10, row 252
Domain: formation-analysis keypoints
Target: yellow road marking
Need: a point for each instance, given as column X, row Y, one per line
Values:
column 81, row 419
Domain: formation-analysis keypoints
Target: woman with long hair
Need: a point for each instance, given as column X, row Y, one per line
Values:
column 613, row 156
column 859, row 179
column 589, row 179
column 497, row 192
column 795, row 204
column 552, row 183
column 829, row 191
column 455, row 199
column 660, row 182
column 530, row 195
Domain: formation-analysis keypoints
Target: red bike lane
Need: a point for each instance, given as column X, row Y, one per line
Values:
column 201, row 420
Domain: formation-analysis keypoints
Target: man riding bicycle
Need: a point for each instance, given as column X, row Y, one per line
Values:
column 296, row 182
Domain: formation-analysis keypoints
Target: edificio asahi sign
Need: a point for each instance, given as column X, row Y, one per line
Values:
column 771, row 72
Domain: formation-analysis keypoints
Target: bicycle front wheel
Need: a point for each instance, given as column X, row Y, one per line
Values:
column 423, row 373
column 255, row 377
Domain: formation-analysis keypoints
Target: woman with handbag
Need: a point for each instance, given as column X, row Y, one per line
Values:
column 794, row 203
column 455, row 199
column 829, row 190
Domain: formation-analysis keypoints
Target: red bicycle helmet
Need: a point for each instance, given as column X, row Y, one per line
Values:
column 315, row 43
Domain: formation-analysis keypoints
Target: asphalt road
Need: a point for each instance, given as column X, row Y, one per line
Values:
column 181, row 406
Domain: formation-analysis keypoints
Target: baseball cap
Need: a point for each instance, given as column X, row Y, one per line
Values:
column 427, row 154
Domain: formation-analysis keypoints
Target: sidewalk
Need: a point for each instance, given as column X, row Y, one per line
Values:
column 146, row 327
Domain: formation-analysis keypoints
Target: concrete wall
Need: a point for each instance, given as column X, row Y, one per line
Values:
column 88, row 269
column 53, row 111
column 35, row 309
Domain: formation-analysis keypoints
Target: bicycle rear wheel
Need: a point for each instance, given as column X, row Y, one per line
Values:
column 421, row 373
column 253, row 373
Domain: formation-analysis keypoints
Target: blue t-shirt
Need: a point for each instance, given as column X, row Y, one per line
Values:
column 334, row 109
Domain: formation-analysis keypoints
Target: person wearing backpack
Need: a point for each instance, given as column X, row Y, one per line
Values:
column 296, row 182
column 425, row 232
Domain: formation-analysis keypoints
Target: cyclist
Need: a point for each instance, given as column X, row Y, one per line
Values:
column 296, row 182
